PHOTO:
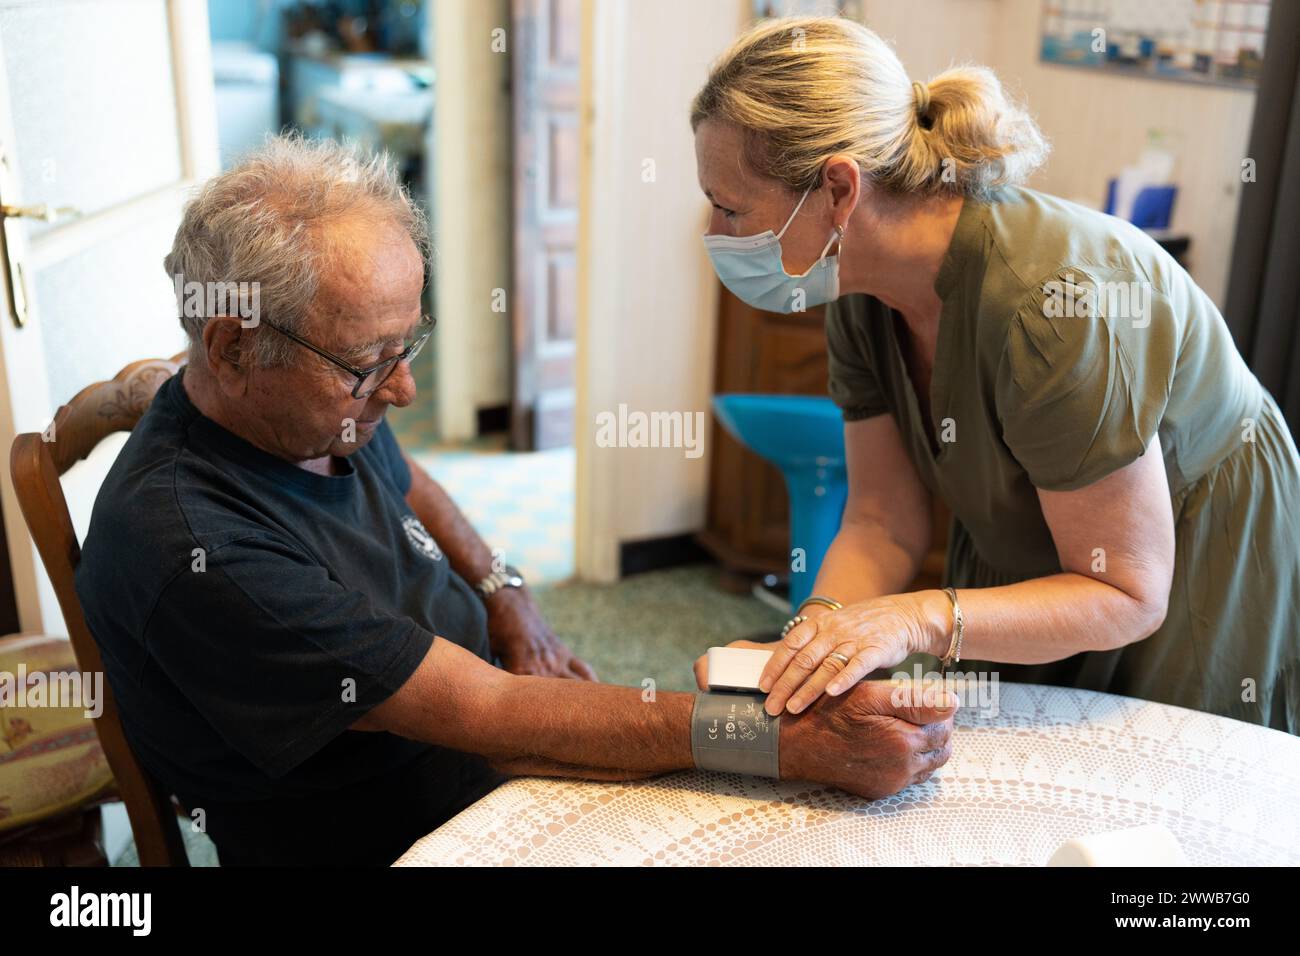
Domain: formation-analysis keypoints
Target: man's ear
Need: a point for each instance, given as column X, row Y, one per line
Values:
column 226, row 345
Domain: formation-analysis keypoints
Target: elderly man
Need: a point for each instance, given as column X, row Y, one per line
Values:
column 298, row 623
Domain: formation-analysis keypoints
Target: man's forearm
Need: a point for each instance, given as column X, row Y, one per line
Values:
column 519, row 635
column 456, row 700
column 572, row 728
column 597, row 731
column 469, row 555
column 865, row 741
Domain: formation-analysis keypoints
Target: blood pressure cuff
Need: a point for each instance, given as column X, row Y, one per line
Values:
column 732, row 732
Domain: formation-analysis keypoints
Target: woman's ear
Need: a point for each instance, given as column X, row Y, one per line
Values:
column 844, row 179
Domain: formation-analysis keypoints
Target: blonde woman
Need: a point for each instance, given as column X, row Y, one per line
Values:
column 1126, row 496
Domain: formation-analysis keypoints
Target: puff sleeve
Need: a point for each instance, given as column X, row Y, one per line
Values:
column 1085, row 375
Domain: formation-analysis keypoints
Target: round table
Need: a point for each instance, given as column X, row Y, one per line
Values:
column 1044, row 766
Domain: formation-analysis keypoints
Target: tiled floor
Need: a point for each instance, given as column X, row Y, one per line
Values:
column 520, row 502
column 654, row 625
column 416, row 425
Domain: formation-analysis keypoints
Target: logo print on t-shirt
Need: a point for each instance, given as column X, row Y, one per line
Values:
column 421, row 539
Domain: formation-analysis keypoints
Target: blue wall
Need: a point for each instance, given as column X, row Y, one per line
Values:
column 260, row 22
column 253, row 21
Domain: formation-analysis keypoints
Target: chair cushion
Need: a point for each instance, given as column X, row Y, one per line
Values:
column 50, row 758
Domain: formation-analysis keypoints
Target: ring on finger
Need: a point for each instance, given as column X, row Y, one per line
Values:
column 836, row 655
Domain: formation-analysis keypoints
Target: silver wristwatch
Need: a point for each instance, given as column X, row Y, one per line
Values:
column 508, row 577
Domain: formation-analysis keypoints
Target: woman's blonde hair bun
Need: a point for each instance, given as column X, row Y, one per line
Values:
column 805, row 88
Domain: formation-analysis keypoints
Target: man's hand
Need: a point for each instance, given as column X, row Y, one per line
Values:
column 525, row 643
column 875, row 740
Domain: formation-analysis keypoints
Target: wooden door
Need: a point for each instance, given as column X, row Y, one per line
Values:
column 546, row 140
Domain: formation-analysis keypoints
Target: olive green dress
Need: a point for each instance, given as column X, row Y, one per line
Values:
column 1038, row 385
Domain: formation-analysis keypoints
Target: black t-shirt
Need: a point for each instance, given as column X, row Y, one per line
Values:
column 249, row 612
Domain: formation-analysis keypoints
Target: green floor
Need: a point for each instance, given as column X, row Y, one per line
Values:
column 651, row 625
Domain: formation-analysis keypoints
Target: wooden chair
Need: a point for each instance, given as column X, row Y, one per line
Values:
column 37, row 465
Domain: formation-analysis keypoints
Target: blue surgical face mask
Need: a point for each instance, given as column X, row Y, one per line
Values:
column 751, row 267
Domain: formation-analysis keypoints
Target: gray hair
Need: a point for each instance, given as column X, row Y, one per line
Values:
column 263, row 220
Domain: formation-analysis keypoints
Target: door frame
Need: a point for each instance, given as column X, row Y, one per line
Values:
column 24, row 394
column 469, row 199
column 600, row 291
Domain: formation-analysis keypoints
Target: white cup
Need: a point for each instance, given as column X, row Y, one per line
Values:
column 1150, row 845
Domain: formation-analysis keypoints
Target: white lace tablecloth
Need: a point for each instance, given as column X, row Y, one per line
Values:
column 1054, row 763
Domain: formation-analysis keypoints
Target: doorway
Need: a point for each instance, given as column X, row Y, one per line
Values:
column 86, row 229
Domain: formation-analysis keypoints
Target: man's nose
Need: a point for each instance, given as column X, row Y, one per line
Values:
column 400, row 388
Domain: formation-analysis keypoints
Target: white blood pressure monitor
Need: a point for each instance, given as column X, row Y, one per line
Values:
column 735, row 668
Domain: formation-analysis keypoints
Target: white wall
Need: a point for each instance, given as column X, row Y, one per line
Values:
column 930, row 35
column 471, row 210
column 1098, row 122
column 648, row 296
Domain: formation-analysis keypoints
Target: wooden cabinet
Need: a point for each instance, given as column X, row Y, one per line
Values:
column 747, row 527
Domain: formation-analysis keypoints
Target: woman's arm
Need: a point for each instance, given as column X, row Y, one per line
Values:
column 885, row 533
column 1115, row 542
column 886, row 529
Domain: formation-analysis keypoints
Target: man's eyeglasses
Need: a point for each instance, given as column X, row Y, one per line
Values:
column 369, row 379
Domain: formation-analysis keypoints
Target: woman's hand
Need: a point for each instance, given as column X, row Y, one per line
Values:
column 877, row 633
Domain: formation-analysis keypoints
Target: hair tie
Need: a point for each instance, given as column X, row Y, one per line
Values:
column 922, row 93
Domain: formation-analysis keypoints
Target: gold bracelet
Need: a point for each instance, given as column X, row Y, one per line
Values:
column 958, row 626
column 823, row 601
